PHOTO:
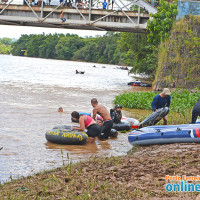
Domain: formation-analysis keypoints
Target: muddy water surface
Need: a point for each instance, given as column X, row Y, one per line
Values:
column 32, row 90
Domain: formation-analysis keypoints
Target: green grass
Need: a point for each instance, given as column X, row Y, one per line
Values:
column 182, row 101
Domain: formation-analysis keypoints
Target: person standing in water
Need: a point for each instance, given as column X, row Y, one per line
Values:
column 107, row 121
column 85, row 121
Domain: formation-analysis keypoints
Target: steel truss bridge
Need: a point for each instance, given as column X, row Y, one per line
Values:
column 90, row 17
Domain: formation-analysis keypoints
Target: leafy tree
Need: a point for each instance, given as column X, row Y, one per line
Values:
column 86, row 53
column 100, row 49
column 21, row 44
column 6, row 41
column 67, row 46
column 47, row 48
column 137, row 52
column 33, row 45
column 160, row 25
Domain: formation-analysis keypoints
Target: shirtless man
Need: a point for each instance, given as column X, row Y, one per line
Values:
column 62, row 17
column 102, row 111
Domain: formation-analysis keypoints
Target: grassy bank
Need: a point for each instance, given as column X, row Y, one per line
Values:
column 181, row 100
column 139, row 175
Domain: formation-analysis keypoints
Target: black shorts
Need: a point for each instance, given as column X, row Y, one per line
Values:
column 106, row 128
column 93, row 130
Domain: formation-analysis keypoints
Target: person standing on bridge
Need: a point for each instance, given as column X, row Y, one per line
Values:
column 62, row 17
column 67, row 3
column 113, row 1
column 104, row 5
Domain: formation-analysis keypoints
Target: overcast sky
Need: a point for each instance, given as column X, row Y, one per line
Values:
column 16, row 31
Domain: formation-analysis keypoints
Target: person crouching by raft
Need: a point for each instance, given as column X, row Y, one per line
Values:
column 85, row 121
column 116, row 114
column 107, row 121
column 162, row 100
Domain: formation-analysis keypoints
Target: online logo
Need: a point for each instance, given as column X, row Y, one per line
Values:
column 182, row 184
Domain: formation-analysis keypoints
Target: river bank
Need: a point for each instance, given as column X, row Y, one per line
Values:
column 141, row 174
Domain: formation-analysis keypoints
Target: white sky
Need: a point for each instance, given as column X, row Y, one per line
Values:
column 17, row 31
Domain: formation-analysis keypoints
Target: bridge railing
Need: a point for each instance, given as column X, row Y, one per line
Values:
column 81, row 4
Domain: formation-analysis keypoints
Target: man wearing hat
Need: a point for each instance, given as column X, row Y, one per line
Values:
column 162, row 100
column 116, row 114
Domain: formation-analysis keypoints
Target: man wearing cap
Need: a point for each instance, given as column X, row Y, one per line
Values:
column 162, row 100
column 116, row 114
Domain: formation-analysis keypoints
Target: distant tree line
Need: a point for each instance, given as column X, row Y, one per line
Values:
column 100, row 49
column 112, row 48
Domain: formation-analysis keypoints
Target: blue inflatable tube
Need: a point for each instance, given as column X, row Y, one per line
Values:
column 84, row 113
column 185, row 133
column 80, row 113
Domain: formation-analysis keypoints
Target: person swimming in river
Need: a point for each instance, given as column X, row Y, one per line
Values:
column 60, row 109
column 85, row 121
column 80, row 72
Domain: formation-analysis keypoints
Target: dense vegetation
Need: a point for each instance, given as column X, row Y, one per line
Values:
column 5, row 45
column 100, row 49
column 180, row 100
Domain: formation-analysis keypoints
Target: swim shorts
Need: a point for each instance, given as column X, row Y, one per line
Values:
column 93, row 130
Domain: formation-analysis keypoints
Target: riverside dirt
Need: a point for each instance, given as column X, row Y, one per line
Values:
column 138, row 175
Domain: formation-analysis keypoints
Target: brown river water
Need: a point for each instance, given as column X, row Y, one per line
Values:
column 32, row 90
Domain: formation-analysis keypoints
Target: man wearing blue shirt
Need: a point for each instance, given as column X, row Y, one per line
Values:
column 162, row 100
column 104, row 4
